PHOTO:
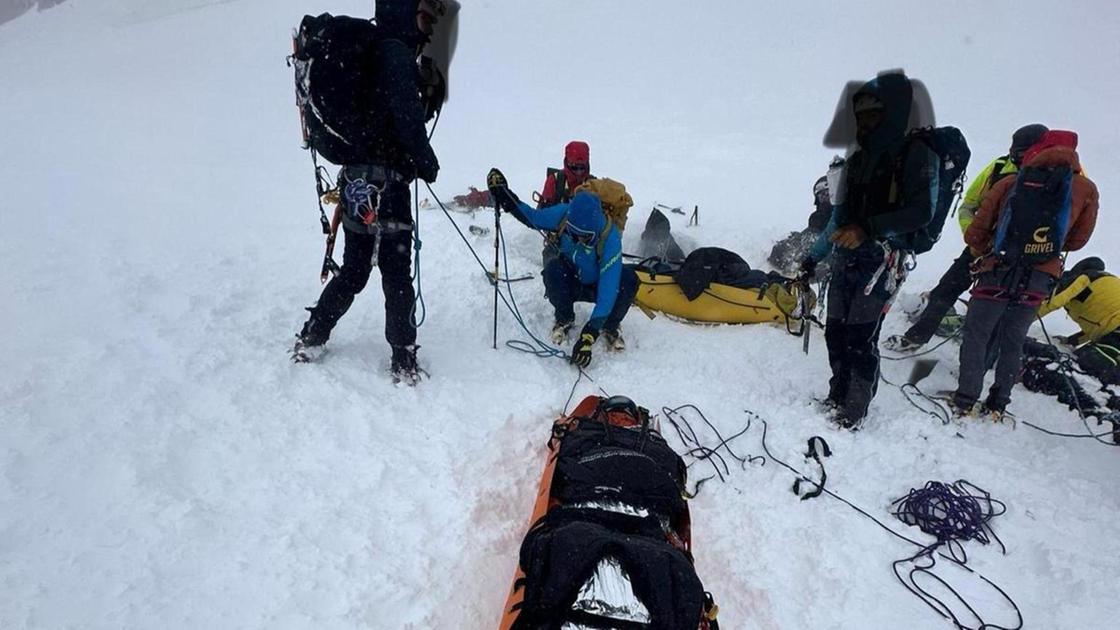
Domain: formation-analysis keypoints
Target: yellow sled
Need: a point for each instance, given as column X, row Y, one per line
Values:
column 720, row 303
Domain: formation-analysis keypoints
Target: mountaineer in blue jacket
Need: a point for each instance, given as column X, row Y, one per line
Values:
column 589, row 268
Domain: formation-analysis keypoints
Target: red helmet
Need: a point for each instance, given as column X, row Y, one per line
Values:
column 577, row 161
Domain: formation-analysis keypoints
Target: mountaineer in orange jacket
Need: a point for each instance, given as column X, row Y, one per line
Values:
column 1017, row 238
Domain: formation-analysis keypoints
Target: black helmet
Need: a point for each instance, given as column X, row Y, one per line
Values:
column 1023, row 138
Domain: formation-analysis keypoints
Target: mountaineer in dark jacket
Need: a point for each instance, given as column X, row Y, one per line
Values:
column 374, row 196
column 890, row 192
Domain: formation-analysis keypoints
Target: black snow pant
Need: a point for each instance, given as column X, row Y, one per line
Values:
column 563, row 289
column 394, row 258
column 1101, row 358
column 1043, row 374
column 852, row 335
column 1007, row 299
column 955, row 281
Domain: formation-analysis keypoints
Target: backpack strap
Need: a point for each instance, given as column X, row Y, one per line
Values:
column 561, row 186
column 603, row 237
column 997, row 172
column 900, row 159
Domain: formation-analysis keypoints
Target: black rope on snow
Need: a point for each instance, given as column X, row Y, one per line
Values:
column 542, row 349
column 911, row 391
column 927, row 554
column 926, row 351
column 701, row 452
column 571, row 394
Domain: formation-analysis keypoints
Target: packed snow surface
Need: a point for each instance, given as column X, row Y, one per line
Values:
column 163, row 464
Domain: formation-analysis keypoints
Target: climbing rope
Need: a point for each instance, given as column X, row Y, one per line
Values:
column 699, row 452
column 963, row 517
column 418, row 301
column 536, row 346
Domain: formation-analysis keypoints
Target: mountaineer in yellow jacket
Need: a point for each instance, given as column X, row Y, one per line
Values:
column 1091, row 298
column 957, row 278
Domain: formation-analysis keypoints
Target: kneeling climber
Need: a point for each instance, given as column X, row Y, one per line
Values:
column 588, row 269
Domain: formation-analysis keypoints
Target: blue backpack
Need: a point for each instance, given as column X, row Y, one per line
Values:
column 1033, row 223
column 952, row 149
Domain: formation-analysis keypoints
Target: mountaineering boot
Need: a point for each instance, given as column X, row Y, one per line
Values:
column 613, row 340
column 309, row 346
column 310, row 342
column 901, row 343
column 997, row 415
column 847, row 420
column 304, row 351
column 560, row 332
column 961, row 407
column 404, row 368
column 828, row 406
column 996, row 411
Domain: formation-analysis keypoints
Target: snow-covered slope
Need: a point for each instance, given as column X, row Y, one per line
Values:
column 162, row 464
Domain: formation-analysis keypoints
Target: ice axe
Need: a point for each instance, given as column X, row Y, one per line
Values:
column 329, row 265
column 804, row 311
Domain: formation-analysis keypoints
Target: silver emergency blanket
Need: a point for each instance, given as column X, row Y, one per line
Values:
column 608, row 594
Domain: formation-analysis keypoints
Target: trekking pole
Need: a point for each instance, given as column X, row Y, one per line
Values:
column 494, row 278
column 806, row 315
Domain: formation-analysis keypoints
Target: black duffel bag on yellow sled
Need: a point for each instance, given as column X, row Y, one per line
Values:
column 716, row 286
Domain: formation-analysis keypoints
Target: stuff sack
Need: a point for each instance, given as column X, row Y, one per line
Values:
column 612, row 196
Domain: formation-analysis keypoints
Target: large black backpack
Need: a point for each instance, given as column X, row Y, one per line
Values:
column 1033, row 223
column 601, row 463
column 952, row 150
column 336, row 62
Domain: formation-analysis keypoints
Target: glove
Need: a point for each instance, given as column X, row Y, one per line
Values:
column 849, row 236
column 428, row 169
column 499, row 191
column 581, row 353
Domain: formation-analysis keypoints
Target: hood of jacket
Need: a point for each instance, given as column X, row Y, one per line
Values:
column 397, row 19
column 586, row 213
column 896, row 94
column 1056, row 148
